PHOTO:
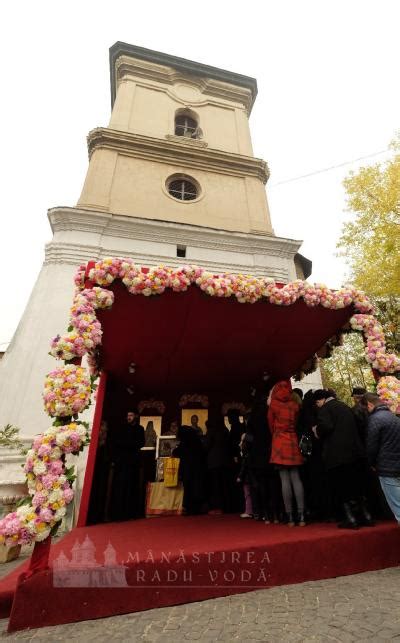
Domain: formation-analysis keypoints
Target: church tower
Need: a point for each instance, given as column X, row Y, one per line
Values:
column 173, row 177
column 171, row 180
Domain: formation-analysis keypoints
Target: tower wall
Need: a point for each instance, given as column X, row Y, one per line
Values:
column 122, row 184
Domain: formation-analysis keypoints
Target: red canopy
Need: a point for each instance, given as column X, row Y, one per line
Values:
column 190, row 342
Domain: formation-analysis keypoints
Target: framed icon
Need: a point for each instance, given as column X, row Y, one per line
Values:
column 165, row 446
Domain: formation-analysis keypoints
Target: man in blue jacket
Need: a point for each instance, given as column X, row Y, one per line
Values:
column 383, row 449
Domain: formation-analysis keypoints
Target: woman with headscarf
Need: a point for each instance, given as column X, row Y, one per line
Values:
column 285, row 453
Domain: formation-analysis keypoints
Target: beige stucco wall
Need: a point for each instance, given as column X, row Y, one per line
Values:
column 149, row 108
column 136, row 187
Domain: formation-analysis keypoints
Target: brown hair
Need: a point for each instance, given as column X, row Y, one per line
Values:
column 372, row 398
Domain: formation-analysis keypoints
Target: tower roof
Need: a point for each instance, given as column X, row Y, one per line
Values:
column 180, row 64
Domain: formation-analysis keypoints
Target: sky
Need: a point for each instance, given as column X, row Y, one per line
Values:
column 327, row 73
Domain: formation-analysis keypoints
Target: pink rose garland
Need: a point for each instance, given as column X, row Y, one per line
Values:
column 85, row 330
column 49, row 485
column 67, row 391
column 246, row 289
column 388, row 389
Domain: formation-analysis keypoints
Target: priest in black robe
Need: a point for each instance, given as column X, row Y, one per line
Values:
column 126, row 441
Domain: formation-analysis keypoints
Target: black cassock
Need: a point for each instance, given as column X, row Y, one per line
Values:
column 191, row 469
column 126, row 500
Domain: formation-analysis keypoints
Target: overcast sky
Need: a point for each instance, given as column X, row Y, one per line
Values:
column 328, row 79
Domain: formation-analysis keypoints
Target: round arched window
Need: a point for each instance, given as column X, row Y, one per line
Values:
column 182, row 189
column 185, row 126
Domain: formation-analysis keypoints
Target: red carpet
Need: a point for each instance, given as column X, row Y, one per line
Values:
column 176, row 560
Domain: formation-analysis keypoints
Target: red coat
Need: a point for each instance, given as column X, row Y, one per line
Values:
column 282, row 417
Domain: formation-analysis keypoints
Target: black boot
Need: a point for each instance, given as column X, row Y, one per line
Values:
column 289, row 520
column 360, row 509
column 300, row 519
column 350, row 521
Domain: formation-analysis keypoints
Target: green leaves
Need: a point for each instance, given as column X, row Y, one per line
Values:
column 70, row 474
column 54, row 529
column 347, row 368
column 9, row 437
column 23, row 501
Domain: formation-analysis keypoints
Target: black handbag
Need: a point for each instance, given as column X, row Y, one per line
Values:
column 305, row 445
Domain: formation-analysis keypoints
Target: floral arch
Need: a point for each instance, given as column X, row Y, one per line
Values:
column 68, row 388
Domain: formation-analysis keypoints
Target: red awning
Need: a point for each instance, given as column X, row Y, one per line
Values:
column 190, row 341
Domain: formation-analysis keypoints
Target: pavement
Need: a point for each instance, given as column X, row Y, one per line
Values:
column 349, row 608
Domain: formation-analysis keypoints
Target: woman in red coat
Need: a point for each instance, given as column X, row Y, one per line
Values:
column 285, row 452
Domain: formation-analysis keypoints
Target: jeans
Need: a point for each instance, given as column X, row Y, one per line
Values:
column 391, row 489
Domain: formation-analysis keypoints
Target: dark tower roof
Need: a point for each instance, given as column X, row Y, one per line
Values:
column 180, row 64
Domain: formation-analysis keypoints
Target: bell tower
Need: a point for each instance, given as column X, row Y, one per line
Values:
column 171, row 180
column 178, row 146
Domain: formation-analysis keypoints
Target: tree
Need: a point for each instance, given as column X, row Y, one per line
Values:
column 371, row 240
column 347, row 367
column 371, row 244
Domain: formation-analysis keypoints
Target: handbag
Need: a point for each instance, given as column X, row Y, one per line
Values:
column 305, row 445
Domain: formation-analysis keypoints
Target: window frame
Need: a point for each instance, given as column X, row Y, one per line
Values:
column 183, row 177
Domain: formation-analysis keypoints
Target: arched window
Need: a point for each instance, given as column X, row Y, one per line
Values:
column 186, row 125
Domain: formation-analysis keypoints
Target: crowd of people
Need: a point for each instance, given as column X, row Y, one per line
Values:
column 296, row 460
column 290, row 459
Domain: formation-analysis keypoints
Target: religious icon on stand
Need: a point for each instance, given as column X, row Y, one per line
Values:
column 150, row 435
column 165, row 446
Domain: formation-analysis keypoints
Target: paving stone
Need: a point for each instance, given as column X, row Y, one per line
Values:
column 354, row 608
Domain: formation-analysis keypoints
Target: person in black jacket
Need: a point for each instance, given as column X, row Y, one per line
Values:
column 360, row 411
column 264, row 478
column 344, row 458
column 191, row 453
column 373, row 489
column 383, row 449
column 235, row 435
column 244, row 477
column 126, row 440
column 217, row 446
column 318, row 497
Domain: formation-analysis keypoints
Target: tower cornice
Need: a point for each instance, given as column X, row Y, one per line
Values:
column 175, row 153
column 187, row 67
column 127, row 68
column 109, row 225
